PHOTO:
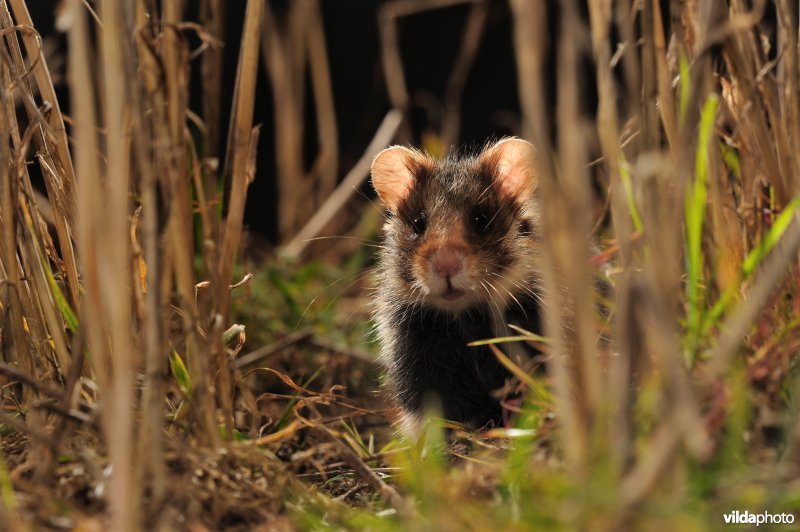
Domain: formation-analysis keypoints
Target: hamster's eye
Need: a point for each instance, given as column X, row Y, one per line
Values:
column 479, row 220
column 419, row 223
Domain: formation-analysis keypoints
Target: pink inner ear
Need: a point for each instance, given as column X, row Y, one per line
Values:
column 515, row 166
column 391, row 175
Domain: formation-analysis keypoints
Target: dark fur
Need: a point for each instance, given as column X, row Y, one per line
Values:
column 434, row 366
column 425, row 348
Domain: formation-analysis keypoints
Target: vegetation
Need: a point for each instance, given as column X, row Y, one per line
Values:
column 131, row 398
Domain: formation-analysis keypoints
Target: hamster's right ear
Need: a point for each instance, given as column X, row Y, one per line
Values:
column 392, row 174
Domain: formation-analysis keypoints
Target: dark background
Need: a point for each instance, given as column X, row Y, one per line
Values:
column 429, row 44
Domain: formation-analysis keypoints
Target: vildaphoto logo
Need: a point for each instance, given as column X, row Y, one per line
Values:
column 764, row 518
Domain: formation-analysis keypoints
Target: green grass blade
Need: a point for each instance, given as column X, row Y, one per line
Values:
column 758, row 253
column 6, row 490
column 232, row 334
column 63, row 305
column 752, row 262
column 731, row 159
column 685, row 84
column 625, row 177
column 180, row 373
column 695, row 215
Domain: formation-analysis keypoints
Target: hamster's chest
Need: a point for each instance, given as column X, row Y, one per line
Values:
column 442, row 340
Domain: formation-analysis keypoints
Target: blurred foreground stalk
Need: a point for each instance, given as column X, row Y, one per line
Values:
column 125, row 216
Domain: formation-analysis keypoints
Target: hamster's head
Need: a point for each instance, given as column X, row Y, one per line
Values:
column 459, row 231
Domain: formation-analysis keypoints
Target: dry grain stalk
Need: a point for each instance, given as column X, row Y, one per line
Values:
column 133, row 167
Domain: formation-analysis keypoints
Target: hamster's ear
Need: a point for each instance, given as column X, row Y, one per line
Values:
column 393, row 174
column 514, row 163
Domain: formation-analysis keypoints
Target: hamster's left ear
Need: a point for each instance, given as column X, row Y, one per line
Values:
column 514, row 162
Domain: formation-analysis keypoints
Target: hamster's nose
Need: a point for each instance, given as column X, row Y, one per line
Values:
column 446, row 262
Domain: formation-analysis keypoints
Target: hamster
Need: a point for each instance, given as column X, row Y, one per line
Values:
column 460, row 261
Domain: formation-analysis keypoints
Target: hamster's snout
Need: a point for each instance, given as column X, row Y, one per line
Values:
column 447, row 262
